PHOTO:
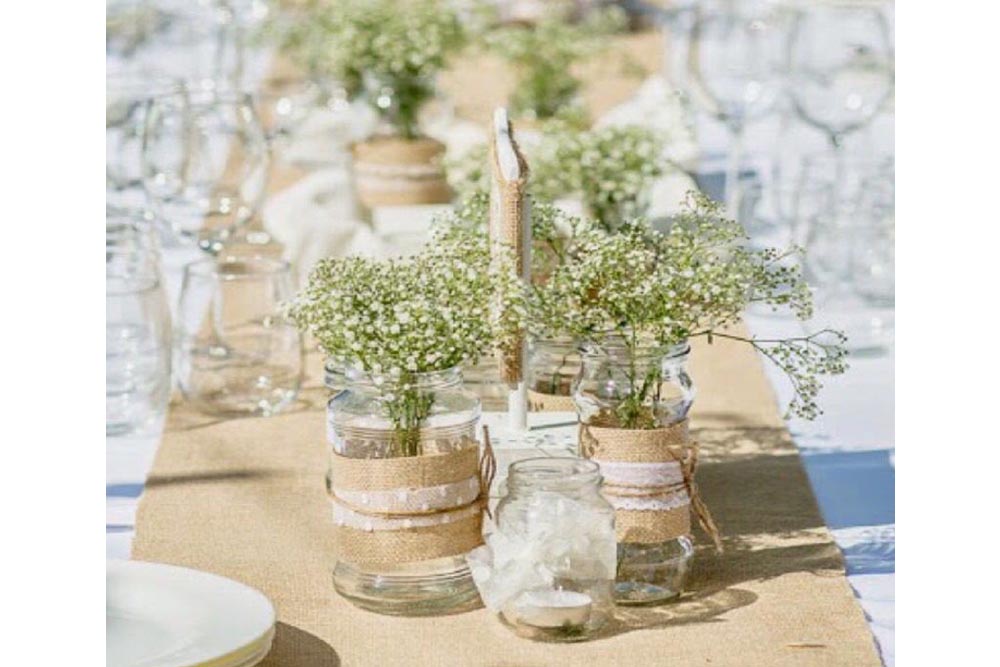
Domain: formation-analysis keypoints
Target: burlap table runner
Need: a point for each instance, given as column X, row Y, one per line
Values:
column 246, row 499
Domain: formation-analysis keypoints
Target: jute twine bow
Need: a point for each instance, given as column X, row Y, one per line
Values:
column 487, row 470
column 508, row 211
column 651, row 446
column 369, row 534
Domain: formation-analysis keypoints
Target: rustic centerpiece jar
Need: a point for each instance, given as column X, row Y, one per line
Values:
column 405, row 488
column 633, row 405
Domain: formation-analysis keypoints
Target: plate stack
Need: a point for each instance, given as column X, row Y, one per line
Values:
column 166, row 616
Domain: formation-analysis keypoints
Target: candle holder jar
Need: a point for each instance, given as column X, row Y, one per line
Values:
column 637, row 393
column 554, row 550
column 402, row 544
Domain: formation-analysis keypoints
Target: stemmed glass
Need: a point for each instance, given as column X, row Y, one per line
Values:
column 127, row 98
column 849, row 242
column 736, row 64
column 840, row 64
column 205, row 164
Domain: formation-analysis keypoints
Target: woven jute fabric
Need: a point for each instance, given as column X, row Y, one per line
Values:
column 658, row 445
column 509, row 210
column 391, row 171
column 392, row 547
column 246, row 498
column 403, row 472
column 648, row 527
column 539, row 402
column 636, row 445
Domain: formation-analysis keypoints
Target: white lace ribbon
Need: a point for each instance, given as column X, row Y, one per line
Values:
column 344, row 516
column 641, row 475
column 644, row 486
column 425, row 500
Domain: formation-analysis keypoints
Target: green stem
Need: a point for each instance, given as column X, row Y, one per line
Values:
column 409, row 410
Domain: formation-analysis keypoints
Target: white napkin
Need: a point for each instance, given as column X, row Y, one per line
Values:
column 318, row 217
column 324, row 135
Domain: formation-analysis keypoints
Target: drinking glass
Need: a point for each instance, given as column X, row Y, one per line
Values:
column 205, row 163
column 873, row 261
column 840, row 63
column 849, row 242
column 137, row 343
column 237, row 354
column 736, row 62
column 127, row 97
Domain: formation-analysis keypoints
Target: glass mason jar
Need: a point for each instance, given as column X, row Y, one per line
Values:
column 553, row 364
column 334, row 375
column 400, row 102
column 378, row 417
column 561, row 532
column 640, row 388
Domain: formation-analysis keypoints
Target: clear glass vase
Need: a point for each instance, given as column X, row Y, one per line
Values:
column 559, row 531
column 553, row 364
column 399, row 102
column 644, row 387
column 378, row 417
column 633, row 387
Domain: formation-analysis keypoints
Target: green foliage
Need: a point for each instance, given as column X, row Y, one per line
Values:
column 543, row 53
column 643, row 289
column 391, row 49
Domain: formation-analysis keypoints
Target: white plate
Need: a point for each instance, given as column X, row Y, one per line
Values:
column 166, row 616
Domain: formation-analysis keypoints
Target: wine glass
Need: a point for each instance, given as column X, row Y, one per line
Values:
column 849, row 241
column 840, row 63
column 306, row 119
column 736, row 63
column 127, row 97
column 205, row 164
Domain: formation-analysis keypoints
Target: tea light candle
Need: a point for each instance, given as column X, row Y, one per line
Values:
column 553, row 609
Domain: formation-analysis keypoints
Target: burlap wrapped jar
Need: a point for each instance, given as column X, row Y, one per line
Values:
column 633, row 405
column 393, row 171
column 407, row 486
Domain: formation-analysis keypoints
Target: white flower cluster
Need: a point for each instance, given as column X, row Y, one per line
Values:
column 542, row 55
column 401, row 45
column 651, row 289
column 611, row 168
column 425, row 313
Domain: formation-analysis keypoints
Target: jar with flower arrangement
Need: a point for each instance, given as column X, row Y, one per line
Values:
column 610, row 169
column 406, row 475
column 609, row 172
column 389, row 54
column 542, row 53
column 636, row 298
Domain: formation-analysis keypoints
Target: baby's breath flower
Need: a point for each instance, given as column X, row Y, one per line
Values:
column 648, row 288
column 542, row 55
column 400, row 46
